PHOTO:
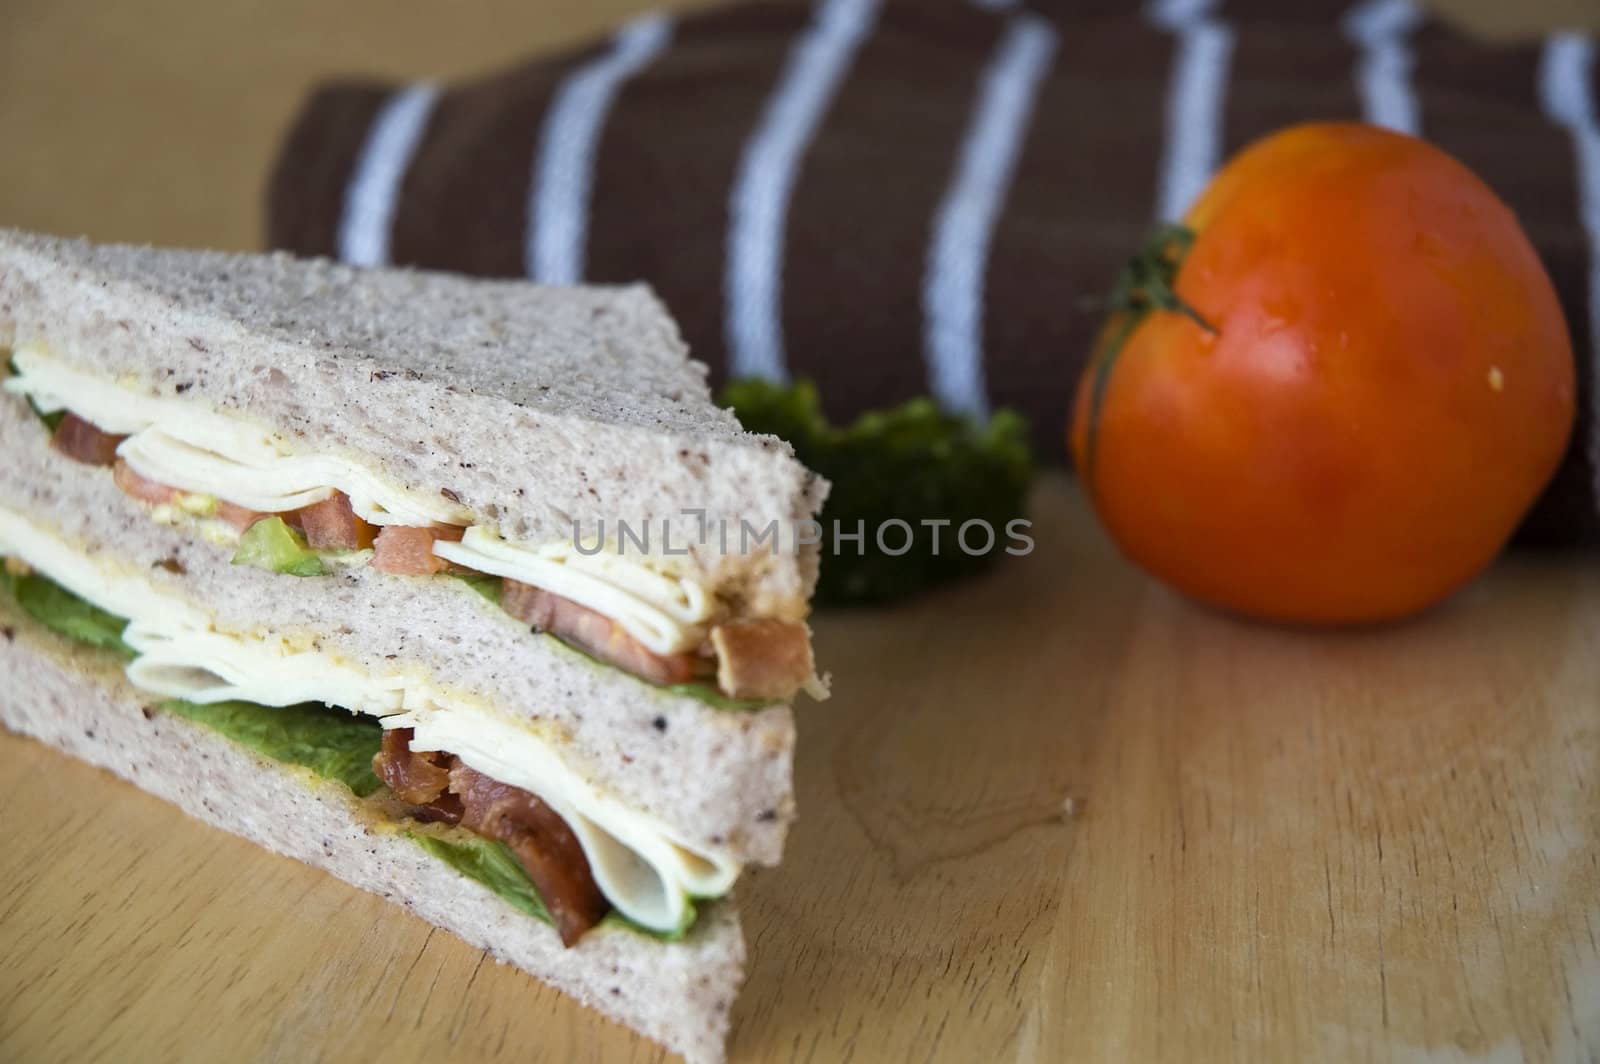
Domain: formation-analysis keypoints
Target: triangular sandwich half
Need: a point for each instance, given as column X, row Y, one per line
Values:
column 462, row 590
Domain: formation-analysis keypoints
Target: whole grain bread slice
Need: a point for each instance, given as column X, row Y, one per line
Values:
column 722, row 779
column 535, row 407
column 75, row 699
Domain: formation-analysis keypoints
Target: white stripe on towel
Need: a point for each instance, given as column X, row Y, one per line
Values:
column 373, row 193
column 1566, row 90
column 1383, row 76
column 1196, row 93
column 953, row 285
column 759, row 203
column 563, row 171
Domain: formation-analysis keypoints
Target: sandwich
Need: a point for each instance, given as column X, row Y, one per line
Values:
column 463, row 591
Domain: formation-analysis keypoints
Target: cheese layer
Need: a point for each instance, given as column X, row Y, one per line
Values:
column 664, row 613
column 644, row 870
column 184, row 444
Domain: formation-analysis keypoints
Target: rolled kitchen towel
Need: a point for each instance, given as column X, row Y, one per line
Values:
column 910, row 198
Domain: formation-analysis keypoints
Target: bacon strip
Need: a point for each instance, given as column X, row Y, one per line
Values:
column 543, row 843
column 332, row 525
column 158, row 494
column 82, row 442
column 405, row 550
column 593, row 633
column 762, row 658
column 237, row 516
column 445, row 789
column 409, row 551
column 141, row 487
column 417, row 778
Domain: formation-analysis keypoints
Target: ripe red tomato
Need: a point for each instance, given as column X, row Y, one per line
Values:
column 1331, row 395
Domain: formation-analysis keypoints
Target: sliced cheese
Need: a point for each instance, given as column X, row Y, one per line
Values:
column 181, row 443
column 666, row 614
column 122, row 590
column 644, row 869
column 181, row 661
column 632, row 857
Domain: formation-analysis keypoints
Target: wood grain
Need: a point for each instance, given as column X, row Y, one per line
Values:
column 1282, row 845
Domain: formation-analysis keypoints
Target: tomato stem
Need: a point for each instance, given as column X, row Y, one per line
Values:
column 1146, row 285
column 1148, row 281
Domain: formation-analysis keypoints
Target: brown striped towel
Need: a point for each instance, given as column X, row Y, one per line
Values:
column 929, row 196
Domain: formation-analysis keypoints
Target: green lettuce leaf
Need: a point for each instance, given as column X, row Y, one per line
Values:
column 491, row 863
column 66, row 614
column 272, row 545
column 616, row 919
column 705, row 692
column 484, row 584
column 333, row 743
column 912, row 463
column 712, row 696
column 50, row 420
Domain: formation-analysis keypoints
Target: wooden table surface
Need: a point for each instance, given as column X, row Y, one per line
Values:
column 1053, row 814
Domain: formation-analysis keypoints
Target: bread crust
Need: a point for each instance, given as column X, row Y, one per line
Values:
column 75, row 699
